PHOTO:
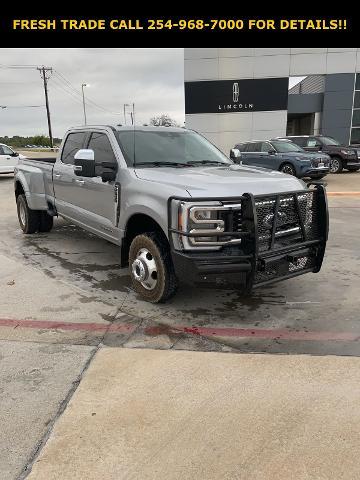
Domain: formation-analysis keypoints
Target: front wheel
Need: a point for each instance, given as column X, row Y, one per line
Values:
column 151, row 268
column 336, row 165
column 46, row 222
column 288, row 168
column 29, row 220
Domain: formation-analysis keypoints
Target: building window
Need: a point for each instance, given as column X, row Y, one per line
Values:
column 357, row 83
column 355, row 135
column 355, row 131
column 357, row 99
column 356, row 118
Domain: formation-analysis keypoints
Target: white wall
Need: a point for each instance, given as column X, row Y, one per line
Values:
column 226, row 129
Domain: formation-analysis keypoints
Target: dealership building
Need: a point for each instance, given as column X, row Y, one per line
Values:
column 240, row 94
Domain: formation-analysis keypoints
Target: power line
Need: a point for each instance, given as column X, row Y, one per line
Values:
column 89, row 102
column 21, row 106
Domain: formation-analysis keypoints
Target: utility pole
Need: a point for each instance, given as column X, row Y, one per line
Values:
column 45, row 73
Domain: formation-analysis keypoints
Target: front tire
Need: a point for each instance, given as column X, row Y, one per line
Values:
column 46, row 222
column 336, row 165
column 151, row 268
column 288, row 168
column 29, row 220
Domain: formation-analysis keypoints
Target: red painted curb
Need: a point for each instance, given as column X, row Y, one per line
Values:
column 259, row 333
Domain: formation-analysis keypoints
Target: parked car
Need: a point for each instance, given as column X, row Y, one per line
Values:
column 284, row 156
column 8, row 159
column 342, row 156
column 178, row 208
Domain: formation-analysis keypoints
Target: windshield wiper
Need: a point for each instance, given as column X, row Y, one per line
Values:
column 161, row 164
column 207, row 162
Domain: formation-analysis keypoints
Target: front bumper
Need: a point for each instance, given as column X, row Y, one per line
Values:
column 260, row 260
column 309, row 171
column 353, row 164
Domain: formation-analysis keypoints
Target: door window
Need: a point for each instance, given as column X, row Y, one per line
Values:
column 7, row 150
column 266, row 147
column 254, row 147
column 301, row 141
column 103, row 152
column 313, row 142
column 73, row 143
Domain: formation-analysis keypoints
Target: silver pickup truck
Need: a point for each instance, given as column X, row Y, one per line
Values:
column 178, row 208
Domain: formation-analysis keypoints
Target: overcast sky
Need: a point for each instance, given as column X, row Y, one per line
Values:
column 151, row 78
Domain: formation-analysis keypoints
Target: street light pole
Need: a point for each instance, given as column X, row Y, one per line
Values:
column 83, row 95
column 125, row 105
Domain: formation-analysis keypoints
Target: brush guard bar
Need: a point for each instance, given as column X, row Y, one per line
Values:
column 282, row 236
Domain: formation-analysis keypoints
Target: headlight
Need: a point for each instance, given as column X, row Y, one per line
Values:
column 204, row 226
column 347, row 152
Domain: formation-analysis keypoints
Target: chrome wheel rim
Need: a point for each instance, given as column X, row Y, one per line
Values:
column 22, row 213
column 335, row 165
column 287, row 169
column 144, row 269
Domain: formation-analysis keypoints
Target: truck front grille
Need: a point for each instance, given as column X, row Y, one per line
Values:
column 286, row 219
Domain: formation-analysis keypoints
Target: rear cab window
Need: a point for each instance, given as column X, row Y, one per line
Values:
column 73, row 143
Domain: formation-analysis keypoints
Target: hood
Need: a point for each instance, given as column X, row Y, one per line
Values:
column 227, row 181
column 337, row 148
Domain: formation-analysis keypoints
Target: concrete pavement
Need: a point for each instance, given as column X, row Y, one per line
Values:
column 63, row 293
column 145, row 414
column 35, row 382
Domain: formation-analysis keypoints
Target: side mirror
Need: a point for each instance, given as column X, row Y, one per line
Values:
column 84, row 161
column 15, row 154
column 235, row 155
column 272, row 152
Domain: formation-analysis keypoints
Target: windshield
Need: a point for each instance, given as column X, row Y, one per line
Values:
column 168, row 148
column 329, row 141
column 284, row 147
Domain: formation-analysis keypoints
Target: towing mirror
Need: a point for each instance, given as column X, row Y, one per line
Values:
column 84, row 163
column 235, row 155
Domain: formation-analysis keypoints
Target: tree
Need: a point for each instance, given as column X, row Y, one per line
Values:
column 163, row 120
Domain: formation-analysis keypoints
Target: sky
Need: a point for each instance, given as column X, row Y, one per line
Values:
column 150, row 78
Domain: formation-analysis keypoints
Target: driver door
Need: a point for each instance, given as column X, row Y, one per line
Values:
column 97, row 198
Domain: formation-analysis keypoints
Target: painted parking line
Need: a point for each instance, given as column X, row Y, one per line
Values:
column 258, row 333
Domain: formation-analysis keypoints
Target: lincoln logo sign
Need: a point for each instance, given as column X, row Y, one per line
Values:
column 227, row 96
column 235, row 92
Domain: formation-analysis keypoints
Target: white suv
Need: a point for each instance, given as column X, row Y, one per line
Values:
column 8, row 159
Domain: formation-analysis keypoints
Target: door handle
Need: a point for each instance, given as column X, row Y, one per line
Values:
column 57, row 175
column 80, row 182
